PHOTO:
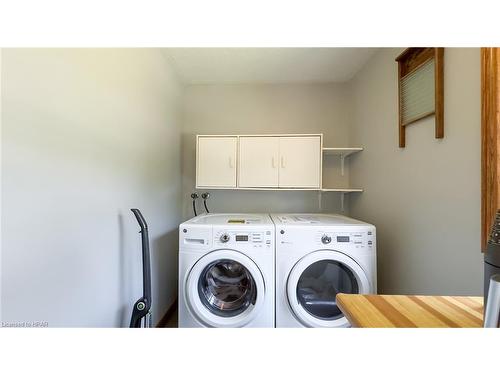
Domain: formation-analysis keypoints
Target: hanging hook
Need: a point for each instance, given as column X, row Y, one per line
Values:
column 205, row 196
column 194, row 196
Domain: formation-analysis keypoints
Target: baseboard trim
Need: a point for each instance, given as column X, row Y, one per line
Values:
column 170, row 311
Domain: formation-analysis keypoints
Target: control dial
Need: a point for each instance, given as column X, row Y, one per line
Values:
column 224, row 238
column 326, row 239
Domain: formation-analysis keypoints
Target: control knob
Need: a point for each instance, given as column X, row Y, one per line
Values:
column 326, row 239
column 224, row 238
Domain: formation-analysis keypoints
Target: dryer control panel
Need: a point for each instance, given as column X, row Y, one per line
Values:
column 359, row 240
column 241, row 238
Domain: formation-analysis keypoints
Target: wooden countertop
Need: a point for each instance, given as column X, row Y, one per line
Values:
column 393, row 311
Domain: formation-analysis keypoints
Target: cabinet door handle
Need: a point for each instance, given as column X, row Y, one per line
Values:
column 282, row 162
column 273, row 162
column 231, row 165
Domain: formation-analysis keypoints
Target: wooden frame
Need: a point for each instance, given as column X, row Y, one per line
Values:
column 490, row 143
column 410, row 60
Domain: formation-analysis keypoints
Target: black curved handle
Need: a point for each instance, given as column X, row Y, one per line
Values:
column 140, row 218
column 146, row 272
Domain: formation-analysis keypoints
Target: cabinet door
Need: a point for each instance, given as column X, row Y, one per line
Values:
column 216, row 162
column 258, row 161
column 300, row 162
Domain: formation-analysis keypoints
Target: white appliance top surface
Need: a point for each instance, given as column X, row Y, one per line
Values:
column 314, row 219
column 228, row 219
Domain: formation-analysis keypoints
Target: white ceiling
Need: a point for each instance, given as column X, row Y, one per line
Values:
column 255, row 65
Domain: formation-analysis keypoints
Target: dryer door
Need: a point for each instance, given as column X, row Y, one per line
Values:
column 225, row 288
column 313, row 285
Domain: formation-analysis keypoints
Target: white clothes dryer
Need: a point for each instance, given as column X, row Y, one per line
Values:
column 318, row 256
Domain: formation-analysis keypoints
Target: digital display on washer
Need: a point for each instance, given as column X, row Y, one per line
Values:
column 342, row 238
column 241, row 238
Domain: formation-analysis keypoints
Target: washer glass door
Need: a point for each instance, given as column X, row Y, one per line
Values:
column 225, row 288
column 313, row 285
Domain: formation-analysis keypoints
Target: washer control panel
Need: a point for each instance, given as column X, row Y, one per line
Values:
column 358, row 240
column 247, row 239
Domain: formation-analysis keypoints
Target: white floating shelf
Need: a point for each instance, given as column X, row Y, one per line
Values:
column 337, row 190
column 341, row 151
column 343, row 190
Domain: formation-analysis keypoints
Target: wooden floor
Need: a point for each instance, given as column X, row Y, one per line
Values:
column 171, row 318
column 172, row 321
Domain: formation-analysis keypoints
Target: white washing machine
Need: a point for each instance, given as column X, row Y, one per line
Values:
column 318, row 256
column 226, row 271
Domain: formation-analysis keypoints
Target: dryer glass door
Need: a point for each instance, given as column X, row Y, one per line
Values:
column 319, row 284
column 313, row 284
column 227, row 288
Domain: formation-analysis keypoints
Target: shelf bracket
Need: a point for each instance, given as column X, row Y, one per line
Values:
column 342, row 201
column 342, row 159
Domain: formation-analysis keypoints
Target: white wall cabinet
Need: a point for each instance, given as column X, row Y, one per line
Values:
column 264, row 162
column 300, row 162
column 259, row 162
column 216, row 162
column 267, row 162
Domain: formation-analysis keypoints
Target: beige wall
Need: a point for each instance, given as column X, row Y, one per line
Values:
column 425, row 198
column 87, row 135
column 266, row 109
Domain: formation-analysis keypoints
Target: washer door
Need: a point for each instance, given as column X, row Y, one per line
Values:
column 225, row 288
column 313, row 285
